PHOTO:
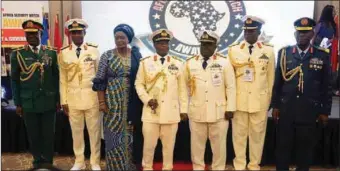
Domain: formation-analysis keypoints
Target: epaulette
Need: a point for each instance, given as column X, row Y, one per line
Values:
column 267, row 44
column 92, row 45
column 18, row 48
column 220, row 55
column 191, row 57
column 65, row 47
column 322, row 49
column 177, row 58
column 51, row 48
column 141, row 59
column 234, row 44
column 284, row 47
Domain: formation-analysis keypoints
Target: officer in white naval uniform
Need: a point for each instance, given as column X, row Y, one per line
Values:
column 160, row 85
column 78, row 65
column 254, row 64
column 211, row 81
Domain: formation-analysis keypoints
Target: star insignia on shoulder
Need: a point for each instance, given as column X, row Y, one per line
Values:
column 322, row 49
column 220, row 55
column 142, row 59
column 92, row 45
column 65, row 47
column 192, row 57
column 177, row 58
column 234, row 44
column 267, row 44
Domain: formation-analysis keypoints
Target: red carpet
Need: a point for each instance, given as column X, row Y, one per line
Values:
column 177, row 166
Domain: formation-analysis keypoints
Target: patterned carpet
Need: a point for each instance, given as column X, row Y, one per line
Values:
column 22, row 161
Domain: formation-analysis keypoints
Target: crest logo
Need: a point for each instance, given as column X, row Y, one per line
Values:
column 187, row 18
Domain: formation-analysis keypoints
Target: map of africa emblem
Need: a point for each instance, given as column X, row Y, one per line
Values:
column 187, row 18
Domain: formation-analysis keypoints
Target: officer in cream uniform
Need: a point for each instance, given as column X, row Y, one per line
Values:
column 254, row 64
column 211, row 81
column 78, row 65
column 160, row 85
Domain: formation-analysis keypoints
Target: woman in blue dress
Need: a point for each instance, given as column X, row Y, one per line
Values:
column 122, row 108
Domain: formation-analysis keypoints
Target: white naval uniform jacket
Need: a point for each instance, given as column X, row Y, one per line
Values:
column 76, row 76
column 164, row 83
column 213, row 90
column 253, row 96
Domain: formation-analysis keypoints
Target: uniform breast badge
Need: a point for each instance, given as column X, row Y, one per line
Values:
column 216, row 67
column 88, row 58
column 46, row 60
column 173, row 69
column 315, row 63
column 264, row 60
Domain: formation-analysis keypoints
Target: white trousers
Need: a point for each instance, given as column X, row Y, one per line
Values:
column 77, row 121
column 167, row 134
column 217, row 134
column 252, row 125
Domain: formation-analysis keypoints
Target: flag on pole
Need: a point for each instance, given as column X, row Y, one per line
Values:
column 57, row 38
column 67, row 39
column 45, row 38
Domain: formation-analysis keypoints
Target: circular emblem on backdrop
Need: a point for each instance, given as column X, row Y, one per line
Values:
column 187, row 18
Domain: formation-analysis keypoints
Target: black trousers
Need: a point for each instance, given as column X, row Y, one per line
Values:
column 296, row 125
column 40, row 130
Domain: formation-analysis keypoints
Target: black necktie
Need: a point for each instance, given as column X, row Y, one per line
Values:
column 78, row 51
column 162, row 60
column 35, row 49
column 250, row 49
column 204, row 64
column 302, row 54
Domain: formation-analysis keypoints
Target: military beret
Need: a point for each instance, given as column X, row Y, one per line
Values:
column 252, row 22
column 32, row 26
column 161, row 34
column 208, row 36
column 76, row 24
column 304, row 23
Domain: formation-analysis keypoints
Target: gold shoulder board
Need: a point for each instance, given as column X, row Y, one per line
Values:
column 92, row 45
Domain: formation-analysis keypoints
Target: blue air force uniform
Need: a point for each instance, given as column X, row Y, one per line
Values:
column 302, row 91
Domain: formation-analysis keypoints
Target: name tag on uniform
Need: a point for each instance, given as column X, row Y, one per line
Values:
column 248, row 75
column 216, row 79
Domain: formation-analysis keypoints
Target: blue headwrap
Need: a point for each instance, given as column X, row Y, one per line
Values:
column 125, row 29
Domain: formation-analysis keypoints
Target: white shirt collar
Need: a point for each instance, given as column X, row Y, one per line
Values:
column 305, row 51
column 159, row 56
column 75, row 46
column 37, row 47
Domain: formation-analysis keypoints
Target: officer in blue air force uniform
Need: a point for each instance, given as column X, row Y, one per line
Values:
column 301, row 94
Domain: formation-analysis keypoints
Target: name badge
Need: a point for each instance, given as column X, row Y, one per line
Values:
column 248, row 75
column 216, row 79
column 29, row 59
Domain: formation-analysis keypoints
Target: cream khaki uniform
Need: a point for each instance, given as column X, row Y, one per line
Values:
column 76, row 76
column 253, row 98
column 165, row 83
column 213, row 92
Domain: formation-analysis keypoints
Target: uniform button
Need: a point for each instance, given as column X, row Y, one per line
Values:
column 206, row 91
column 40, row 89
column 162, row 101
column 206, row 101
column 297, row 96
column 249, row 92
